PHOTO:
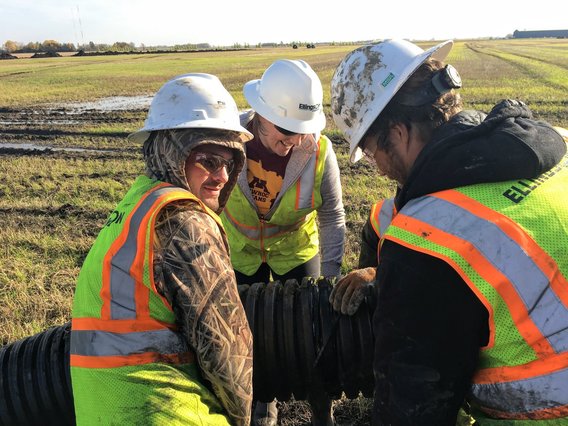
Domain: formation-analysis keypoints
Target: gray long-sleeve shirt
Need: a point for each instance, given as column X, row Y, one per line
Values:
column 331, row 213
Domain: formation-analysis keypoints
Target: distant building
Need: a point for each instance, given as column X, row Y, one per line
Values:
column 541, row 34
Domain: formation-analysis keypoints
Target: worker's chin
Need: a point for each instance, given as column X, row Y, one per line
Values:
column 211, row 202
column 282, row 149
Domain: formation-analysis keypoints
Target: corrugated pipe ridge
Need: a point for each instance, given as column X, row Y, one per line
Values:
column 300, row 346
column 35, row 381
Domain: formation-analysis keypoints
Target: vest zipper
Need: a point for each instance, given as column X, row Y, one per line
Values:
column 261, row 239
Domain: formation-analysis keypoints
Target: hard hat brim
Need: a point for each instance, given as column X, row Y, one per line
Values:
column 251, row 91
column 439, row 52
column 141, row 135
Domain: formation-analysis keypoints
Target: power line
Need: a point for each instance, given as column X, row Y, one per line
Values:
column 74, row 26
column 80, row 25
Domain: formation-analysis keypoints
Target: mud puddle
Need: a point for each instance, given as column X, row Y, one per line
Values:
column 35, row 147
column 74, row 128
column 114, row 103
column 67, row 114
column 14, row 148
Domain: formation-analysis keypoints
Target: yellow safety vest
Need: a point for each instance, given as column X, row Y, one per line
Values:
column 129, row 364
column 508, row 242
column 290, row 238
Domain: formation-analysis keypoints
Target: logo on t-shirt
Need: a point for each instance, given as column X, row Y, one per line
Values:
column 264, row 185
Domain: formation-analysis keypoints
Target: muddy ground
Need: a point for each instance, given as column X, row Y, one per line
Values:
column 78, row 130
column 73, row 129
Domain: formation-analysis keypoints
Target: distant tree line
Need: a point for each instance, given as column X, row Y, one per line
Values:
column 51, row 46
column 11, row 46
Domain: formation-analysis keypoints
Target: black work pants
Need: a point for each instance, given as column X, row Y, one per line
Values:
column 264, row 274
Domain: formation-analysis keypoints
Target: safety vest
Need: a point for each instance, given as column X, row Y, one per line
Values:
column 127, row 358
column 290, row 238
column 509, row 243
column 381, row 216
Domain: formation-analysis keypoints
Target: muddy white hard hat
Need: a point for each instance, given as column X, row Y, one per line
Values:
column 192, row 101
column 367, row 79
column 290, row 95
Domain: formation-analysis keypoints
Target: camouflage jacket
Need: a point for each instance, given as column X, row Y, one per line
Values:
column 193, row 271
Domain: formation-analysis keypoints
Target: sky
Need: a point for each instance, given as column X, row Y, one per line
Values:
column 227, row 22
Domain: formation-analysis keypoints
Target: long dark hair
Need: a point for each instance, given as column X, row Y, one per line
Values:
column 425, row 117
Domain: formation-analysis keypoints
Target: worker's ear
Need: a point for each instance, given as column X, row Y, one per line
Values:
column 399, row 135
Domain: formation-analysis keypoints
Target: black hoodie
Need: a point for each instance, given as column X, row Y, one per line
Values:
column 428, row 324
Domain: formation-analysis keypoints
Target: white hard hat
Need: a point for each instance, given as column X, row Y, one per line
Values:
column 367, row 79
column 290, row 95
column 189, row 101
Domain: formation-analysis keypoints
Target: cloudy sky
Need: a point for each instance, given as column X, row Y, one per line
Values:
column 225, row 22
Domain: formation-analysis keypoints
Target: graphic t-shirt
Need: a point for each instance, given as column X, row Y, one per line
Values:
column 265, row 173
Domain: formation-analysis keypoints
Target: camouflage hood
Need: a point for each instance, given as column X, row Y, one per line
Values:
column 166, row 151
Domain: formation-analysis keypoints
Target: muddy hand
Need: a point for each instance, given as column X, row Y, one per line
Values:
column 350, row 291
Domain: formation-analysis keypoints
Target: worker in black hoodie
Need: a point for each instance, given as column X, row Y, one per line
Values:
column 472, row 282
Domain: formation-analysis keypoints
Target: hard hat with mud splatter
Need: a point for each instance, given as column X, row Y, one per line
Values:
column 367, row 79
column 192, row 101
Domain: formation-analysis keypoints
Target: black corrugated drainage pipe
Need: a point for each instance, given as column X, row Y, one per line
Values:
column 35, row 381
column 301, row 346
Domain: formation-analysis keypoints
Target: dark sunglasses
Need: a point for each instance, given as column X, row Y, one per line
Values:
column 284, row 131
column 212, row 163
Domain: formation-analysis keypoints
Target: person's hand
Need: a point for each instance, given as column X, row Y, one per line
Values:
column 350, row 291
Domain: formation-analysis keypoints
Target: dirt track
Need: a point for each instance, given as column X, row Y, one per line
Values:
column 72, row 129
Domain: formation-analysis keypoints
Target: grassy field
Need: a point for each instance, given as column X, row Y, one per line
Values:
column 53, row 203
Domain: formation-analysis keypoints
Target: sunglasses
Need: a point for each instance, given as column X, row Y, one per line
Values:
column 212, row 163
column 284, row 131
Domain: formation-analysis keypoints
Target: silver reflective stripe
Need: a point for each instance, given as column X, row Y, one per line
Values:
column 249, row 232
column 269, row 230
column 385, row 215
column 122, row 285
column 307, row 182
column 545, row 309
column 527, row 395
column 272, row 230
column 103, row 343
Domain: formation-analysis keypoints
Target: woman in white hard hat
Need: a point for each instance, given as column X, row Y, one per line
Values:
column 472, row 301
column 159, row 335
column 290, row 179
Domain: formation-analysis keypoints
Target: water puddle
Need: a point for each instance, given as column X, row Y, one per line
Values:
column 113, row 103
column 72, row 113
column 35, row 121
column 45, row 148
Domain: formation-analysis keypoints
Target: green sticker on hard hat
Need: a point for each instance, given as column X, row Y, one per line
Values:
column 387, row 80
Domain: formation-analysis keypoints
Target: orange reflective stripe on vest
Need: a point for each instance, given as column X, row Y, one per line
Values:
column 263, row 229
column 381, row 215
column 501, row 263
column 124, row 263
column 126, row 333
column 304, row 199
column 95, row 347
column 491, row 242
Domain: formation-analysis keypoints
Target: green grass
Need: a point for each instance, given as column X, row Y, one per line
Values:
column 55, row 202
column 53, row 205
column 52, row 209
column 27, row 82
column 500, row 69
